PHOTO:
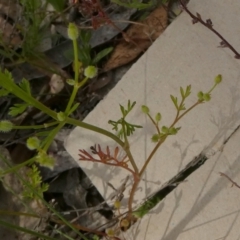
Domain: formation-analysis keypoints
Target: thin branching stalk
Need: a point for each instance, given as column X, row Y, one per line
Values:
column 208, row 24
column 161, row 141
column 76, row 76
column 229, row 179
column 45, row 125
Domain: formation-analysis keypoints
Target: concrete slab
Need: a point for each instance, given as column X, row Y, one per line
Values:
column 204, row 207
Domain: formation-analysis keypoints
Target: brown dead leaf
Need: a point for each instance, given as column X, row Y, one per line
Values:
column 8, row 34
column 9, row 9
column 141, row 37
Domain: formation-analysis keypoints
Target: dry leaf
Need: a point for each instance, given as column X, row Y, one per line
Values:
column 8, row 35
column 141, row 37
column 10, row 9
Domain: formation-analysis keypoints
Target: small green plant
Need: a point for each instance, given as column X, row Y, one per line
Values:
column 31, row 26
column 85, row 53
column 33, row 175
column 123, row 128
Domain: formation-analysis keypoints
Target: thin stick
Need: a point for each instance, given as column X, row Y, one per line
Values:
column 226, row 176
column 208, row 24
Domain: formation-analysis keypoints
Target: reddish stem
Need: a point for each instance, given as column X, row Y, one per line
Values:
column 208, row 24
column 226, row 176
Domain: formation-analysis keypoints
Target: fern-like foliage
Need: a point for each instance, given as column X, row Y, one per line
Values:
column 106, row 157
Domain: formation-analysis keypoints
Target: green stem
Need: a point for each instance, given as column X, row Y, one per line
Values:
column 178, row 111
column 124, row 145
column 106, row 133
column 15, row 168
column 151, row 155
column 131, row 159
column 47, row 142
column 45, row 125
column 76, row 77
column 188, row 110
column 95, row 129
column 177, row 118
column 83, row 82
column 11, row 213
column 213, row 88
column 9, row 85
column 76, row 64
column 72, row 97
column 135, row 185
column 127, row 149
column 154, row 123
column 25, row 230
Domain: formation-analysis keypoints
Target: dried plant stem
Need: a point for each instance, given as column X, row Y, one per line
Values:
column 208, row 24
column 226, row 176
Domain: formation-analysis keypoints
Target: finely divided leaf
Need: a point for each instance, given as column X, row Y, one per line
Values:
column 175, row 100
column 122, row 110
column 17, row 109
column 188, row 91
column 25, row 86
column 3, row 92
column 102, row 54
column 182, row 92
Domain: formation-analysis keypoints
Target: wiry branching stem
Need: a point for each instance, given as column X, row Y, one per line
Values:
column 208, row 24
column 226, row 176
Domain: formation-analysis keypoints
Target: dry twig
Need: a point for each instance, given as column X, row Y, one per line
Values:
column 226, row 176
column 208, row 24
